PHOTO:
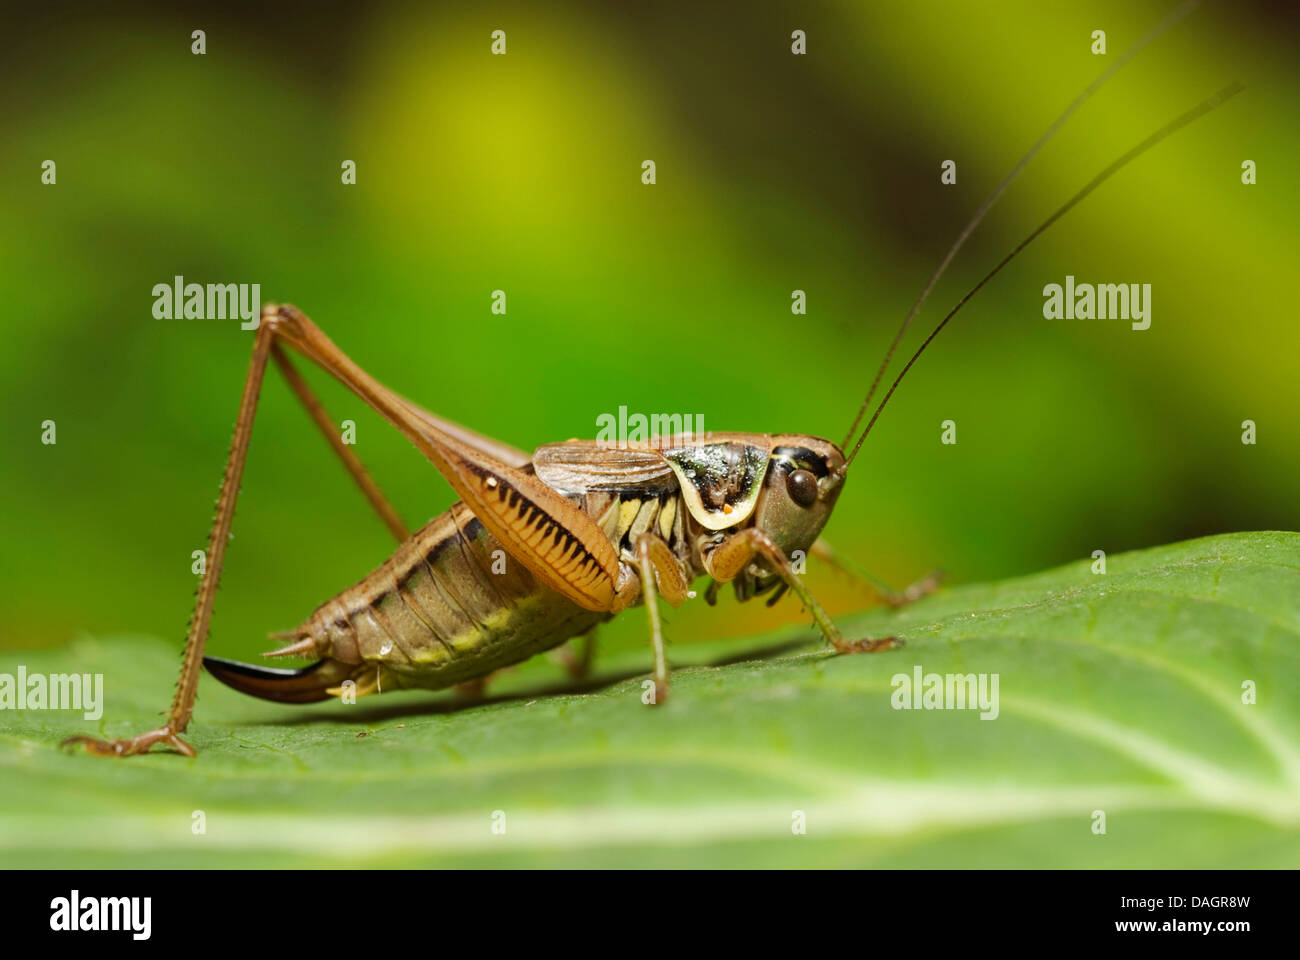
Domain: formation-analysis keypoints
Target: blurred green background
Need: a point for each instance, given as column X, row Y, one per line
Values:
column 522, row 173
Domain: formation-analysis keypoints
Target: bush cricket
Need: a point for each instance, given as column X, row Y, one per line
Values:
column 541, row 548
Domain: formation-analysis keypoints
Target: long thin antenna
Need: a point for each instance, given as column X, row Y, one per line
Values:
column 1171, row 127
column 1173, row 17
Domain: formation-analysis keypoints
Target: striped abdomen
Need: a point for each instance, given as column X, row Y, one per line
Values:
column 450, row 605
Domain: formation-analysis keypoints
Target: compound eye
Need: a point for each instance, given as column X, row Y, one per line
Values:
column 802, row 487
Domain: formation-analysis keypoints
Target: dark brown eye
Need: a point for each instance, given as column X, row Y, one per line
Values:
column 802, row 487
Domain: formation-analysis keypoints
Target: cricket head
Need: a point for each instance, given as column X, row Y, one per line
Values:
column 803, row 481
column 785, row 484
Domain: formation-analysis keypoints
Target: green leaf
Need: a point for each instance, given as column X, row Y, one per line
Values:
column 1123, row 693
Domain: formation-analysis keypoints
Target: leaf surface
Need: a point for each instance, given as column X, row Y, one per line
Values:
column 1121, row 694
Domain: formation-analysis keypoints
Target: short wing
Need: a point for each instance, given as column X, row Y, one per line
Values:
column 582, row 467
column 626, row 491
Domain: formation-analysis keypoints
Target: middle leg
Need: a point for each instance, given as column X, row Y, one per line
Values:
column 661, row 575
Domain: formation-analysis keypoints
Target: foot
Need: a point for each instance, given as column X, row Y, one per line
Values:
column 136, row 744
column 661, row 693
column 922, row 588
column 870, row 646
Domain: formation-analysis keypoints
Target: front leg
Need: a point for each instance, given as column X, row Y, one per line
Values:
column 725, row 561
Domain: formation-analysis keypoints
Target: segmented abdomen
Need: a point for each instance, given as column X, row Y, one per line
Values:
column 449, row 605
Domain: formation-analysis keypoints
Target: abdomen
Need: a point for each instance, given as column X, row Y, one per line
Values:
column 449, row 605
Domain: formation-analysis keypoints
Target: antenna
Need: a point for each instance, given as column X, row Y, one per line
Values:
column 1172, row 18
column 1173, row 126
